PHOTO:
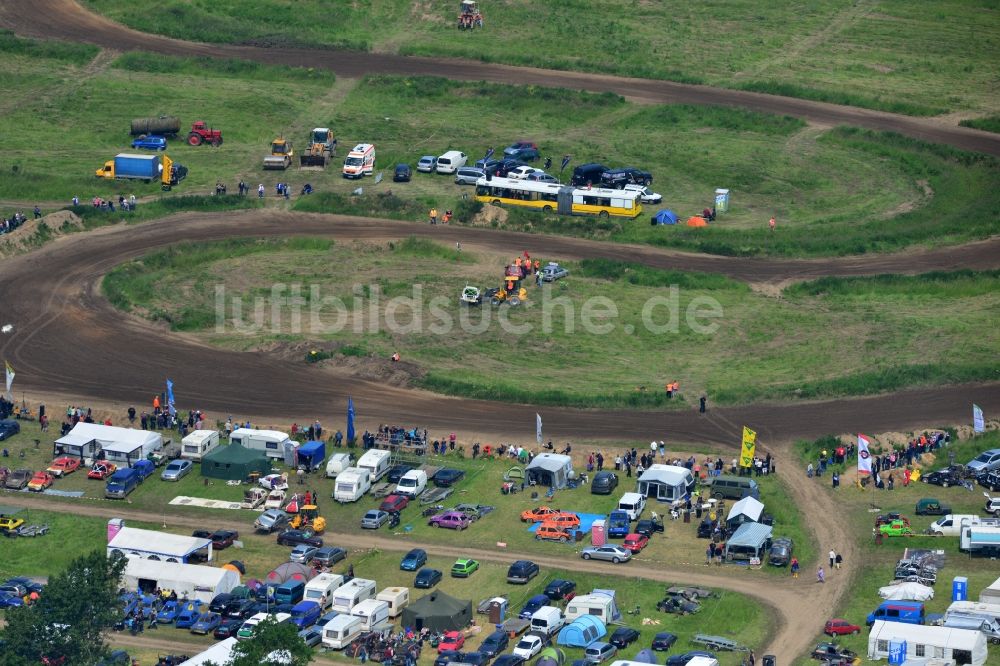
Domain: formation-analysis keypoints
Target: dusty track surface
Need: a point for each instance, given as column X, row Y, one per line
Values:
column 68, row 339
column 66, row 19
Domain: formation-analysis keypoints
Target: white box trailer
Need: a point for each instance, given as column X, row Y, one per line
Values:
column 979, row 608
column 199, row 443
column 352, row 484
column 376, row 461
column 397, row 598
column 321, row 588
column 271, row 442
column 337, row 463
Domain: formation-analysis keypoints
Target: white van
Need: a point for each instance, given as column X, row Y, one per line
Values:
column 376, row 461
column 360, row 161
column 372, row 613
column 950, row 525
column 632, row 504
column 547, row 620
column 412, row 483
column 352, row 484
column 198, row 443
column 271, row 442
column 397, row 598
column 341, row 631
column 321, row 588
column 352, row 593
column 451, row 161
column 337, row 463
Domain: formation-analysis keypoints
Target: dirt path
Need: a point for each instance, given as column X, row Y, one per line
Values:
column 66, row 19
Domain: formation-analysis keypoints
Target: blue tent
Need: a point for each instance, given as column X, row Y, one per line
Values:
column 582, row 631
column 311, row 454
column 665, row 216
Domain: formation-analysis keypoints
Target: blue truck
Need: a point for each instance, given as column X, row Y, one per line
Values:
column 619, row 524
column 122, row 483
column 146, row 168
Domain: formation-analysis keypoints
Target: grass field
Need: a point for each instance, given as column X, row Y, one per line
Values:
column 884, row 54
column 762, row 348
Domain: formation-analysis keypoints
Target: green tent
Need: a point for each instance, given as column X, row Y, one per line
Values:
column 234, row 462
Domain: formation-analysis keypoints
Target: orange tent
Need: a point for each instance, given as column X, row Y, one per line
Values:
column 697, row 221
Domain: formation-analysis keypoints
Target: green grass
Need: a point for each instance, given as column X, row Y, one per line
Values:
column 14, row 46
column 988, row 123
column 763, row 348
column 875, row 53
column 156, row 63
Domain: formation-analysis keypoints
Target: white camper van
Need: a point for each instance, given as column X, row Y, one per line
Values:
column 271, row 442
column 412, row 483
column 397, row 599
column 376, row 461
column 632, row 504
column 372, row 613
column 337, row 463
column 950, row 525
column 451, row 161
column 352, row 484
column 352, row 593
column 198, row 443
column 547, row 620
column 321, row 588
column 341, row 631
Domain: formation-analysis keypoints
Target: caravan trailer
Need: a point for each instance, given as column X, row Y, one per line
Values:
column 352, row 484
column 337, row 463
column 271, row 442
column 321, row 588
column 352, row 593
column 341, row 631
column 199, row 443
column 397, row 598
column 373, row 613
column 377, row 462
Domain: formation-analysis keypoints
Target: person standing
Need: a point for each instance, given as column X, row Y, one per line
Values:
column 260, row 190
column 795, row 567
column 833, row 557
column 839, row 560
column 701, row 407
column 820, row 576
column 771, row 223
column 434, row 215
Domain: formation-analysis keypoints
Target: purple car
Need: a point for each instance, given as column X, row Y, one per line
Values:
column 455, row 520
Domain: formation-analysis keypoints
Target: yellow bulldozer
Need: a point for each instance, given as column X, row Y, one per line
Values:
column 281, row 154
column 308, row 516
column 322, row 145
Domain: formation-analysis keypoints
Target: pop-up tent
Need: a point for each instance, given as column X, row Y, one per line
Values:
column 747, row 510
column 234, row 463
column 582, row 631
column 289, row 571
column 438, row 612
column 311, row 454
column 697, row 221
column 665, row 216
column 550, row 469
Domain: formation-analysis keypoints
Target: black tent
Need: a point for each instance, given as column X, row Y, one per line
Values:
column 438, row 612
column 234, row 462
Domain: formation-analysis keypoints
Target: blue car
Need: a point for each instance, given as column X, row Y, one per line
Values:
column 169, row 612
column 206, row 624
column 8, row 600
column 413, row 560
column 151, row 142
column 427, row 578
column 534, row 603
column 190, row 613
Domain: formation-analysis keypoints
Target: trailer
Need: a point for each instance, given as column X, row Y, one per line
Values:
column 719, row 643
column 515, row 626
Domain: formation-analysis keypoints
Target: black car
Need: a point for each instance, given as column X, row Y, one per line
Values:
column 619, row 178
column 560, row 589
column 949, row 476
column 329, row 555
column 295, row 537
column 9, row 428
column 623, row 636
column 495, row 643
column 427, row 578
column 447, row 656
column 522, row 150
column 447, row 477
column 396, row 473
column 604, row 483
column 647, row 527
column 683, row 659
column 222, row 539
column 989, row 480
column 508, row 660
column 475, row 658
column 588, row 173
column 240, row 609
column 506, row 166
column 229, row 627
column 663, row 641
column 781, row 552
column 521, row 571
column 402, row 173
column 488, row 166
column 220, row 602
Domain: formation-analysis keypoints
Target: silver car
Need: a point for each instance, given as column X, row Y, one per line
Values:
column 302, row 553
column 987, row 461
column 176, row 470
column 427, row 163
column 271, row 520
column 374, row 519
column 311, row 636
column 614, row 554
column 468, row 175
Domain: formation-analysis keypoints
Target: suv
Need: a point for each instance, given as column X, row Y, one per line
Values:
column 987, row 461
column 588, row 173
column 521, row 571
column 733, row 487
column 990, row 480
column 560, row 590
column 604, row 483
column 781, row 552
column 992, row 505
column 619, row 178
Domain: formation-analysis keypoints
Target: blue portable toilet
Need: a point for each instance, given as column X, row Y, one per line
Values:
column 897, row 651
column 665, row 216
column 959, row 588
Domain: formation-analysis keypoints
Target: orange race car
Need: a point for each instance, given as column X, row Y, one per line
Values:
column 538, row 514
column 101, row 471
column 63, row 465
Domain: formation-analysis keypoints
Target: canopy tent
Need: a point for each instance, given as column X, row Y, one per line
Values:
column 550, row 469
column 438, row 612
column 697, row 221
column 645, row 656
column 234, row 463
column 665, row 216
column 220, row 653
column 747, row 510
column 582, row 631
column 966, row 646
column 187, row 580
column 909, row 591
column 153, row 545
column 86, row 440
column 289, row 571
column 667, row 483
column 749, row 535
column 311, row 454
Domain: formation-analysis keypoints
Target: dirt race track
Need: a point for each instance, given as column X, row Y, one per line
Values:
column 66, row 19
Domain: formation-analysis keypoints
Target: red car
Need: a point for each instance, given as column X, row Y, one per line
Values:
column 63, row 465
column 40, row 481
column 101, row 471
column 838, row 627
column 394, row 503
column 452, row 640
column 635, row 542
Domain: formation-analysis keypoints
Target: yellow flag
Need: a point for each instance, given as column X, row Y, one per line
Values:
column 749, row 447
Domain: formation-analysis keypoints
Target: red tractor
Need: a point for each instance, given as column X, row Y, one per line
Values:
column 201, row 133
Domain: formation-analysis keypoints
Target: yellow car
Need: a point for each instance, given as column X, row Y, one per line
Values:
column 10, row 523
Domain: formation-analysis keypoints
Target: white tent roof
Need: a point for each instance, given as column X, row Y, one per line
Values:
column 108, row 436
column 908, row 591
column 749, row 507
column 267, row 434
column 552, row 462
column 217, row 654
column 159, row 543
column 957, row 639
column 199, row 576
column 671, row 475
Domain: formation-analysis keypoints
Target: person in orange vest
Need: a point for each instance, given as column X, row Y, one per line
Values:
column 771, row 223
column 156, row 404
column 538, row 265
column 677, row 387
column 670, row 389
column 517, row 261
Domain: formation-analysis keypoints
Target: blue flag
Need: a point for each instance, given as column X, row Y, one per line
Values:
column 350, row 419
column 489, row 153
column 170, row 398
column 565, row 162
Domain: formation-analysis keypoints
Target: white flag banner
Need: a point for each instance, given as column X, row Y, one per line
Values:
column 538, row 428
column 864, row 456
column 10, row 376
column 978, row 424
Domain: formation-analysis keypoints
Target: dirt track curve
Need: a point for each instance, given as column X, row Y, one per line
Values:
column 67, row 339
column 66, row 19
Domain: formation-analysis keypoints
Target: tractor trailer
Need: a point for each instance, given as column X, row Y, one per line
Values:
column 143, row 167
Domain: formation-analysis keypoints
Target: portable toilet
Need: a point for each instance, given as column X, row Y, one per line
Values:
column 959, row 588
column 497, row 610
column 721, row 200
column 598, row 533
column 115, row 526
